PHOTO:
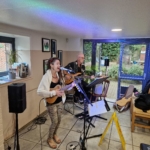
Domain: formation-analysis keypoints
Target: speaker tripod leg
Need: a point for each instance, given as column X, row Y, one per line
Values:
column 17, row 143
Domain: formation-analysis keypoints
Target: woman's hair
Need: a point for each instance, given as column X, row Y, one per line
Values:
column 51, row 61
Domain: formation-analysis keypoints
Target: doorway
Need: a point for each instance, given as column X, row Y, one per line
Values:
column 128, row 62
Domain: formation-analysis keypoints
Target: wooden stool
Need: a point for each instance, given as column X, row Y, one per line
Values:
column 135, row 112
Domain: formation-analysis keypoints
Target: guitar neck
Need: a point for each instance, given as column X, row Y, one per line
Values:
column 66, row 87
column 84, row 76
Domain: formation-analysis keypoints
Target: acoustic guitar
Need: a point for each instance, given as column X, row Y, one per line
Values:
column 123, row 101
column 51, row 100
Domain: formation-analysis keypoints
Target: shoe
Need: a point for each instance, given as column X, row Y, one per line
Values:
column 51, row 144
column 81, row 101
column 56, row 139
column 75, row 101
column 81, row 117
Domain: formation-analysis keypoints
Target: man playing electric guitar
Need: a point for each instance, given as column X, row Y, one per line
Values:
column 78, row 67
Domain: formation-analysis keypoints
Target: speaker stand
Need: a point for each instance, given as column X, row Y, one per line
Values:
column 17, row 147
column 106, row 71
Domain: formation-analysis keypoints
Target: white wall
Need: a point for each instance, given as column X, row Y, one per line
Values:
column 63, row 43
column 74, row 44
column 35, row 36
column 22, row 43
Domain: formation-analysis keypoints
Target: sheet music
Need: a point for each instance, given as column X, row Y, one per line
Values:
column 98, row 88
column 97, row 108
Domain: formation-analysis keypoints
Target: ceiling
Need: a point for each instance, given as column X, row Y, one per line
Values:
column 79, row 18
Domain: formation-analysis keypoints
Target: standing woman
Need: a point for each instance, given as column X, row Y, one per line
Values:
column 49, row 80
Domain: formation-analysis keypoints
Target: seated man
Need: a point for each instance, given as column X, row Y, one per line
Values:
column 78, row 67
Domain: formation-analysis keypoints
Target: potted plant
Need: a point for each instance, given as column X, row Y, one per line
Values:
column 12, row 57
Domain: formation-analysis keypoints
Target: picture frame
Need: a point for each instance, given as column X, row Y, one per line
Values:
column 45, row 61
column 60, row 56
column 53, row 47
column 46, row 45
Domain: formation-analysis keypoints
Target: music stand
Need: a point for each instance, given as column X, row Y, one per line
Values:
column 86, row 100
column 92, row 85
column 97, row 81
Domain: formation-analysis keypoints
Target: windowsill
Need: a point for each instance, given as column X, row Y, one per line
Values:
column 4, row 82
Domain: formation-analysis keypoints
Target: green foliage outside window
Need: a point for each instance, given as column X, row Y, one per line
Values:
column 111, row 50
column 135, row 49
column 88, row 51
column 133, row 70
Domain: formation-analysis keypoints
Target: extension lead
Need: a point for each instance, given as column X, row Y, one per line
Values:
column 40, row 120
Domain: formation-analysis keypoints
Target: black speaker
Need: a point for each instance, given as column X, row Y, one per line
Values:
column 106, row 63
column 144, row 146
column 17, row 97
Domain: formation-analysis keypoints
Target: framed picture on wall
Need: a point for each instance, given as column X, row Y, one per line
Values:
column 53, row 47
column 46, row 45
column 60, row 56
column 45, row 61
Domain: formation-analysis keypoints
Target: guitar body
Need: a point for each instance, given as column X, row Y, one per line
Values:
column 51, row 100
column 70, row 77
column 123, row 101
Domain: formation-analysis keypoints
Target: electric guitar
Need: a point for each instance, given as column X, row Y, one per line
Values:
column 70, row 77
column 51, row 100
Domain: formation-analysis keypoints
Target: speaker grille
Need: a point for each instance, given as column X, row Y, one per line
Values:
column 17, row 97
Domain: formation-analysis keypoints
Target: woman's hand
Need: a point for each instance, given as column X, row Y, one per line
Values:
column 59, row 93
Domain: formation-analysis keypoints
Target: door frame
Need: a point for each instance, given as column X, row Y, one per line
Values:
column 124, row 41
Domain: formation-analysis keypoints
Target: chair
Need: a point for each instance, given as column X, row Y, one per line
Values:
column 69, row 100
column 104, row 91
column 138, row 113
column 103, row 94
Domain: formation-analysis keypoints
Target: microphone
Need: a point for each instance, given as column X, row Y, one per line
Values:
column 62, row 68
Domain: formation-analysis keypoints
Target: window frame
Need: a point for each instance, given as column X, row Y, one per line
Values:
column 11, row 41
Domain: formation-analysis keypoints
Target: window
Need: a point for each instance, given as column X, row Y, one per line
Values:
column 4, row 48
column 6, row 45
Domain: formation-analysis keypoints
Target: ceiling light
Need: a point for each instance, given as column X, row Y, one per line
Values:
column 116, row 30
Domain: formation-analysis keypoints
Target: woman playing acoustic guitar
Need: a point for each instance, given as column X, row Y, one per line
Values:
column 49, row 80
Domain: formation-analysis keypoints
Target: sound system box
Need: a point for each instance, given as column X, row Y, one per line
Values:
column 144, row 146
column 17, row 97
column 106, row 63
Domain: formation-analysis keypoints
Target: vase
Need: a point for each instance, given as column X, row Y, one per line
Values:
column 12, row 75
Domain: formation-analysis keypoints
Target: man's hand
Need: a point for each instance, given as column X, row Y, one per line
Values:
column 68, row 76
column 92, row 77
